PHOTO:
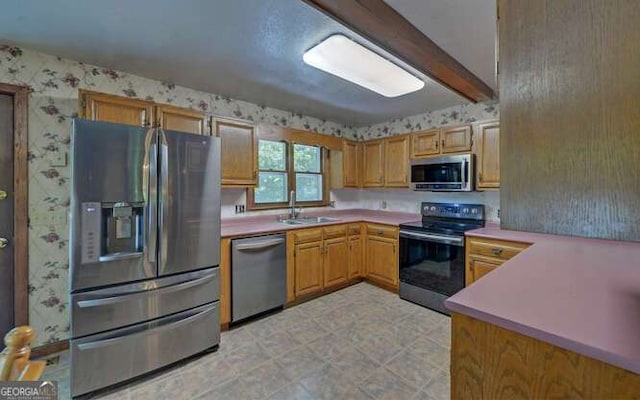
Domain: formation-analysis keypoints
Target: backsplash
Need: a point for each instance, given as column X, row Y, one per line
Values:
column 53, row 102
column 406, row 200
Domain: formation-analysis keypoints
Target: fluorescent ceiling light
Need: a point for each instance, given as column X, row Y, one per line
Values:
column 341, row 56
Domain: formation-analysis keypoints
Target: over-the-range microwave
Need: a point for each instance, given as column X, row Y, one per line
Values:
column 443, row 174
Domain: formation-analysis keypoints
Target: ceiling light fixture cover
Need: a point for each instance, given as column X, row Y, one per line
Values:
column 347, row 59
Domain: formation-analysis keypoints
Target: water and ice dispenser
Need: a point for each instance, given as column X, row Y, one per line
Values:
column 111, row 231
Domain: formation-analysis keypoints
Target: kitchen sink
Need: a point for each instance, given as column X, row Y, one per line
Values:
column 308, row 220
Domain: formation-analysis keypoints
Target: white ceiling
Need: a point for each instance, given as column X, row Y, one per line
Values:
column 247, row 49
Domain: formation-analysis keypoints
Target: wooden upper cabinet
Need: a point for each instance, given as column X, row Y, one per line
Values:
column 396, row 171
column 116, row 109
column 487, row 149
column 373, row 161
column 455, row 139
column 239, row 152
column 351, row 163
column 425, row 143
column 181, row 119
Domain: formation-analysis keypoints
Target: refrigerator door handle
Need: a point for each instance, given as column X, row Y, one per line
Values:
column 153, row 292
column 152, row 201
column 164, row 198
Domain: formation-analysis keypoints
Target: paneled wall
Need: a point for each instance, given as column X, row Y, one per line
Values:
column 570, row 117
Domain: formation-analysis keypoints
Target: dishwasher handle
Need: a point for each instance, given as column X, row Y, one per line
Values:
column 259, row 245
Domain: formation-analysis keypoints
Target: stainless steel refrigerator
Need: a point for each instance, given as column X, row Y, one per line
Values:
column 145, row 250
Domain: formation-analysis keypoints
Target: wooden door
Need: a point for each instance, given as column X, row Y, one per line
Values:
column 477, row 269
column 7, row 304
column 356, row 261
column 396, row 158
column 351, row 164
column 382, row 260
column 239, row 152
column 181, row 119
column 373, row 163
column 487, row 149
column 336, row 259
column 116, row 109
column 424, row 144
column 308, row 268
column 456, row 139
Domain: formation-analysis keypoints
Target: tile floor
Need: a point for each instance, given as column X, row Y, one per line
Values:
column 358, row 343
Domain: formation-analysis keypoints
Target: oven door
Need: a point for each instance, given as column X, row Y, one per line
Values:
column 432, row 262
column 452, row 173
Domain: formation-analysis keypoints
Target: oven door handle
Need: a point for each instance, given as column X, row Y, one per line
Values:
column 458, row 241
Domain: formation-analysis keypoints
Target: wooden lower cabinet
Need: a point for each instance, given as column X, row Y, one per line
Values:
column 382, row 260
column 490, row 362
column 356, row 257
column 483, row 255
column 335, row 261
column 225, row 282
column 308, row 265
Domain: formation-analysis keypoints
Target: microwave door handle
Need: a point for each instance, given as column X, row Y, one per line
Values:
column 465, row 165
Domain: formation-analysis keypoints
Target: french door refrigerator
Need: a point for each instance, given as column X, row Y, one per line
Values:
column 145, row 250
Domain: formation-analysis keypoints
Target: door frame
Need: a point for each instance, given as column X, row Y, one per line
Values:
column 20, row 96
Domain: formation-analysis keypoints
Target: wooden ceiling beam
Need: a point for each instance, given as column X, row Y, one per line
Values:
column 378, row 22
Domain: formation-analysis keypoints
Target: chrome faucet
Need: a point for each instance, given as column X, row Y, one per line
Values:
column 293, row 214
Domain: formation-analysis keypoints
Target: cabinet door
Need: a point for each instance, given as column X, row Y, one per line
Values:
column 239, row 152
column 336, row 258
column 382, row 260
column 456, row 139
column 477, row 269
column 308, row 268
column 181, row 119
column 487, row 149
column 373, row 163
column 396, row 171
column 356, row 254
column 425, row 143
column 352, row 164
column 116, row 109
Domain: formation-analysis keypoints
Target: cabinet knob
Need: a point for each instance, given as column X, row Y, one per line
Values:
column 380, row 232
column 496, row 251
column 3, row 243
column 3, row 195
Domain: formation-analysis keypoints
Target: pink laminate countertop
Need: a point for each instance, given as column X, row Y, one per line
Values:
column 245, row 226
column 579, row 294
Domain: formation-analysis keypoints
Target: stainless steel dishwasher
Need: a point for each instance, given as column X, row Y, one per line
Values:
column 258, row 275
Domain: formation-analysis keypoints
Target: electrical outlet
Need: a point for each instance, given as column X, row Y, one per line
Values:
column 498, row 213
column 383, row 205
column 57, row 158
column 332, row 204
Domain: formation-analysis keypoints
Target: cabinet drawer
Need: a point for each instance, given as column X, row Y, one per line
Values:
column 499, row 250
column 307, row 235
column 354, row 229
column 382, row 231
column 335, row 231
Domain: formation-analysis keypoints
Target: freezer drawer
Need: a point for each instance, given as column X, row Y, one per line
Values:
column 258, row 275
column 115, row 307
column 105, row 359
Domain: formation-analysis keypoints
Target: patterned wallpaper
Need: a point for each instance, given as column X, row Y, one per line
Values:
column 53, row 102
column 462, row 114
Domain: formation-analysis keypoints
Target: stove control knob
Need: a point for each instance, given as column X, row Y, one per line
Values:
column 474, row 211
column 465, row 211
column 433, row 208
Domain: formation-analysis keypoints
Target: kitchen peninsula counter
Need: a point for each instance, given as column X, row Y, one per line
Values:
column 576, row 294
